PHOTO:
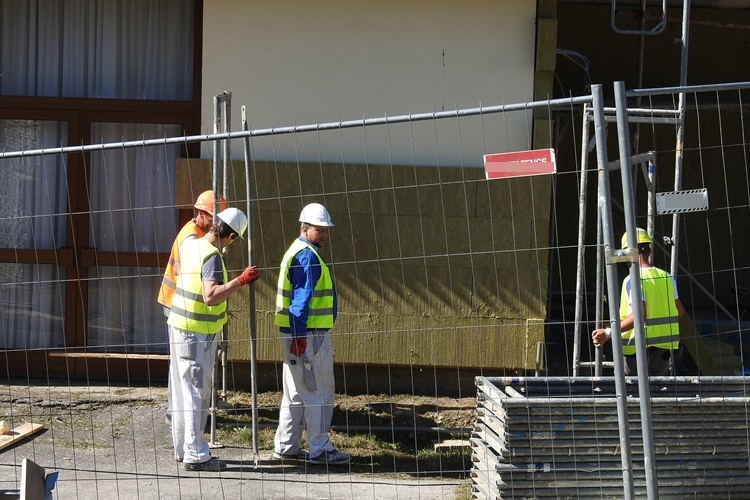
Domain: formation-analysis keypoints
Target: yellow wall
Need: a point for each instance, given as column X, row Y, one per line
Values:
column 433, row 266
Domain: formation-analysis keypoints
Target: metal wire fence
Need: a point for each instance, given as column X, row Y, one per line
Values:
column 442, row 276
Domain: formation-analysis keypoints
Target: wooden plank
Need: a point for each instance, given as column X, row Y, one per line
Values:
column 32, row 481
column 18, row 433
column 107, row 355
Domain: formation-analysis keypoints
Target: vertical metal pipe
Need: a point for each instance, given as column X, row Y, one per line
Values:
column 651, row 211
column 253, row 332
column 599, row 288
column 215, row 186
column 641, row 52
column 221, row 113
column 581, row 241
column 227, row 144
column 644, row 389
column 215, row 155
column 679, row 147
column 226, row 168
column 605, row 207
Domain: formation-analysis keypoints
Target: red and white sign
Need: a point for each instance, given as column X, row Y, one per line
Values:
column 520, row 164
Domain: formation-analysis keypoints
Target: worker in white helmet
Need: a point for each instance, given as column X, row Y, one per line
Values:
column 662, row 310
column 306, row 308
column 198, row 313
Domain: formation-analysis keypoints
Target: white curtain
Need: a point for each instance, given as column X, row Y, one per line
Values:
column 132, row 210
column 33, row 210
column 124, row 49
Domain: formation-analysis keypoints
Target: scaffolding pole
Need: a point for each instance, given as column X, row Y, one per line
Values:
column 220, row 169
column 623, row 133
column 605, row 209
column 251, row 301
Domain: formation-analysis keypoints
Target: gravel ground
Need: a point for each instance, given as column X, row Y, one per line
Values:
column 112, row 442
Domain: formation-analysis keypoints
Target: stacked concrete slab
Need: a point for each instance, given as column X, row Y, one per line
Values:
column 559, row 438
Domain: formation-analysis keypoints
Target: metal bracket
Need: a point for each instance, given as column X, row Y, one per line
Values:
column 619, row 255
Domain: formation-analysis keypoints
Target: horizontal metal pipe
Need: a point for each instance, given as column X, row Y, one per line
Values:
column 588, row 380
column 381, row 428
column 317, row 127
column 688, row 89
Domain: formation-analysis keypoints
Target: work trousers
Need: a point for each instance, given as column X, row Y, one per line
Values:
column 658, row 362
column 308, row 395
column 191, row 366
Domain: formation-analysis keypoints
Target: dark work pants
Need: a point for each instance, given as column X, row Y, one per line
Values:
column 658, row 362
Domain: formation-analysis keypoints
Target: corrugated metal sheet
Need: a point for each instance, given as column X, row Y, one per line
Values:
column 559, row 438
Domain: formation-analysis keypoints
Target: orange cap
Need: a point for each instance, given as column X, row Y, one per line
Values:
column 205, row 202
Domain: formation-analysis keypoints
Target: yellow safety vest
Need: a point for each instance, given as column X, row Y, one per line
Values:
column 320, row 314
column 662, row 320
column 169, row 282
column 189, row 312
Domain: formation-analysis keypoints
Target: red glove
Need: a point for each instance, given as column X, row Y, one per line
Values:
column 249, row 275
column 298, row 347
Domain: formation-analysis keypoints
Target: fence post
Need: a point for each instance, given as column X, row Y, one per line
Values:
column 606, row 222
column 623, row 133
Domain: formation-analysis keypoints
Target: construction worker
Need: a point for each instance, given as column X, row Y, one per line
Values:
column 193, row 229
column 661, row 309
column 198, row 313
column 306, row 307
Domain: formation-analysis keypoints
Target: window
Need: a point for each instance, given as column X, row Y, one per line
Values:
column 83, row 238
column 126, row 49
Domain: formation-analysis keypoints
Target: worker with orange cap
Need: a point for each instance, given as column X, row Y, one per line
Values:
column 193, row 229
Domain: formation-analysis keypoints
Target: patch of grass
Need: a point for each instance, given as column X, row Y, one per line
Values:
column 464, row 491
column 243, row 436
column 457, row 461
column 117, row 426
column 72, row 421
column 384, row 445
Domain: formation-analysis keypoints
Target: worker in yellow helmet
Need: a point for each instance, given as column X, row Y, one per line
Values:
column 195, row 228
column 661, row 309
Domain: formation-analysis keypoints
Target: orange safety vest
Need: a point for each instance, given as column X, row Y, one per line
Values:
column 169, row 282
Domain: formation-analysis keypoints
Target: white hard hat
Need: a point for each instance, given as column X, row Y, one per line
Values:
column 234, row 219
column 315, row 214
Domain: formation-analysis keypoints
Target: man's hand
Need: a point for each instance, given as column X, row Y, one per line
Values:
column 249, row 275
column 298, row 347
column 600, row 336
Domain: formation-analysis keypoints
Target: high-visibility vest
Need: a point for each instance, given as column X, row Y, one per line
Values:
column 189, row 312
column 320, row 313
column 662, row 319
column 169, row 281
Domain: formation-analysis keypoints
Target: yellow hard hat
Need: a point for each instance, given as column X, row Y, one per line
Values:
column 205, row 202
column 643, row 237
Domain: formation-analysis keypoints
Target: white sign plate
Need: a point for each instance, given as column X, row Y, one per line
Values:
column 677, row 202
